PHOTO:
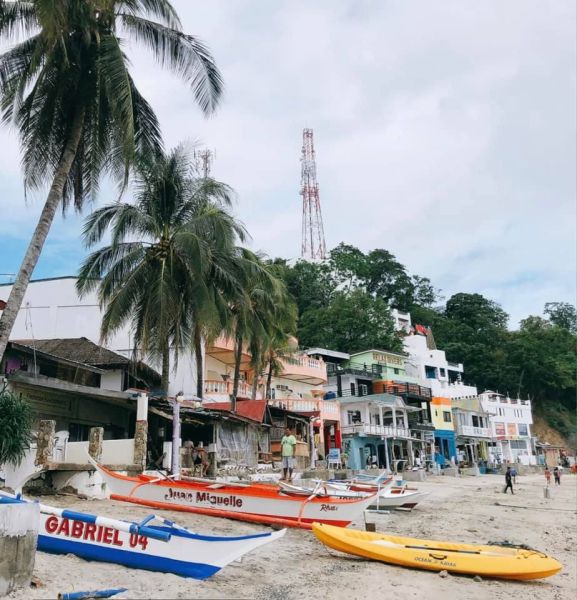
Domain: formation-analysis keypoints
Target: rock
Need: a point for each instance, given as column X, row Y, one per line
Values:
column 443, row 574
column 477, row 579
column 491, row 518
column 473, row 530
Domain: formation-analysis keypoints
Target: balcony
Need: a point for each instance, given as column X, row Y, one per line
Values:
column 407, row 390
column 223, row 350
column 380, row 430
column 358, row 369
column 304, row 369
column 327, row 409
column 221, row 390
column 471, row 431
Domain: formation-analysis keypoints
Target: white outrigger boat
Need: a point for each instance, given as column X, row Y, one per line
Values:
column 255, row 502
column 165, row 547
column 385, row 498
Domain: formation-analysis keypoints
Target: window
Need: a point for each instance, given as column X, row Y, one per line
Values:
column 447, row 416
column 523, row 429
column 353, row 416
column 396, row 371
column 442, row 371
column 518, row 444
column 430, row 372
column 353, row 389
column 475, row 421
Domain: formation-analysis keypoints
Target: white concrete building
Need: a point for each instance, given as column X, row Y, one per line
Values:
column 52, row 309
column 431, row 367
column 511, row 421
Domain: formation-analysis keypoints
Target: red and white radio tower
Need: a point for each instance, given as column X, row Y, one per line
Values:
column 313, row 242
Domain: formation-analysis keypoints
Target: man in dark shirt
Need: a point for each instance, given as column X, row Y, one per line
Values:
column 508, row 481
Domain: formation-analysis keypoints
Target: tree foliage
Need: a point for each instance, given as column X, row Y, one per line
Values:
column 16, row 417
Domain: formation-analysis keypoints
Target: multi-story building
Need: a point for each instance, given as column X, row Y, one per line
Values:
column 376, row 431
column 511, row 420
column 473, row 430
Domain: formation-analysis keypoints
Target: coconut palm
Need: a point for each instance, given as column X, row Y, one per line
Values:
column 16, row 420
column 174, row 271
column 66, row 87
column 255, row 316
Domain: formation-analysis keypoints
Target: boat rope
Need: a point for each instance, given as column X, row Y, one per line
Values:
column 315, row 492
column 507, row 544
column 571, row 510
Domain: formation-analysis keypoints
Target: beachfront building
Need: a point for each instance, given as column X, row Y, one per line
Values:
column 376, row 432
column 511, row 420
column 442, row 419
column 376, row 376
column 472, row 429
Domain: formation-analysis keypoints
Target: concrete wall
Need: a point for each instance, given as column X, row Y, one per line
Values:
column 55, row 311
column 18, row 537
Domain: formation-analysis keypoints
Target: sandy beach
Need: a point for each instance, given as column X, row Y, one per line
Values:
column 467, row 509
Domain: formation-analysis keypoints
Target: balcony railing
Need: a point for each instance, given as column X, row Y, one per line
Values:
column 370, row 371
column 401, row 388
column 371, row 429
column 215, row 387
column 471, row 431
column 328, row 409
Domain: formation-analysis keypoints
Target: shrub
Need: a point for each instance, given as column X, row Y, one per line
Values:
column 16, row 418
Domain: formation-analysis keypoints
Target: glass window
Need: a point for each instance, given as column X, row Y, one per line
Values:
column 447, row 416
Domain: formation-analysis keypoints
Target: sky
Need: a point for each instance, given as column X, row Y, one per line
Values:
column 445, row 132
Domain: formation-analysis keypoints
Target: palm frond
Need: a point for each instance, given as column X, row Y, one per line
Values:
column 189, row 58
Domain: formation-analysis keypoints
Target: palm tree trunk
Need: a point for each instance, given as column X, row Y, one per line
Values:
column 269, row 378
column 40, row 233
column 165, row 376
column 254, row 384
column 199, row 363
column 237, row 359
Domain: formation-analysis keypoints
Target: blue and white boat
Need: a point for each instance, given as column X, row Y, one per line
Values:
column 164, row 546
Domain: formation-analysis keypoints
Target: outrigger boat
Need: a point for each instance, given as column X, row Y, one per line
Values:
column 255, row 502
column 165, row 547
column 500, row 561
column 397, row 498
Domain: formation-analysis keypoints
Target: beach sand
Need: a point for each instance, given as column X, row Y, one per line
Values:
column 466, row 509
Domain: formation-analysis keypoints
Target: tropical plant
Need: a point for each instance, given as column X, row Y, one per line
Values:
column 16, row 419
column 253, row 313
column 66, row 86
column 173, row 275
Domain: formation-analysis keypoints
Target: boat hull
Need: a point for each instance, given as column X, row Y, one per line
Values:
column 487, row 561
column 256, row 503
column 398, row 499
column 186, row 554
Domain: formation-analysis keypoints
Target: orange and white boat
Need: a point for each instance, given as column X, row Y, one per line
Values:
column 256, row 502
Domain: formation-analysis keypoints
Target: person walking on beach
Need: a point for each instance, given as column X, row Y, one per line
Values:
column 508, row 481
column 557, row 475
column 547, row 475
column 288, row 446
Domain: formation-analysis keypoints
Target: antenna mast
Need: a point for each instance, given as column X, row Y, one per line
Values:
column 203, row 160
column 313, row 235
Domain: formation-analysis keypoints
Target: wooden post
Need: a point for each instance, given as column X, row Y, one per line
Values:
column 95, row 439
column 45, row 442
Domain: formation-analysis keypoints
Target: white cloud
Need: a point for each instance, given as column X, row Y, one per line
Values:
column 445, row 132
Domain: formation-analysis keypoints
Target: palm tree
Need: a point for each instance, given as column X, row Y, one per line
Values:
column 255, row 316
column 67, row 88
column 173, row 273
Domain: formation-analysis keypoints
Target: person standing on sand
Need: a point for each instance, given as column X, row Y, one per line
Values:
column 557, row 475
column 547, row 475
column 508, row 481
column 288, row 446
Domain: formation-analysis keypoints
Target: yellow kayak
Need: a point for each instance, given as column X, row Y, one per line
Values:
column 487, row 561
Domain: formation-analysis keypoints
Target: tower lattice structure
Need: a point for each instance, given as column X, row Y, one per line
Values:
column 313, row 236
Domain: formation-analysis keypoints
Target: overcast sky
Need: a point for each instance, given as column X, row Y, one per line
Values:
column 445, row 132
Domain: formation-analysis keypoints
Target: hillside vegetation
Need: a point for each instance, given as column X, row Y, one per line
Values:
column 344, row 304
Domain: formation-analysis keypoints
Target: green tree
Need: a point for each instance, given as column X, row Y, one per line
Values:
column 16, row 418
column 171, row 277
column 67, row 87
column 253, row 310
column 351, row 322
column 562, row 314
